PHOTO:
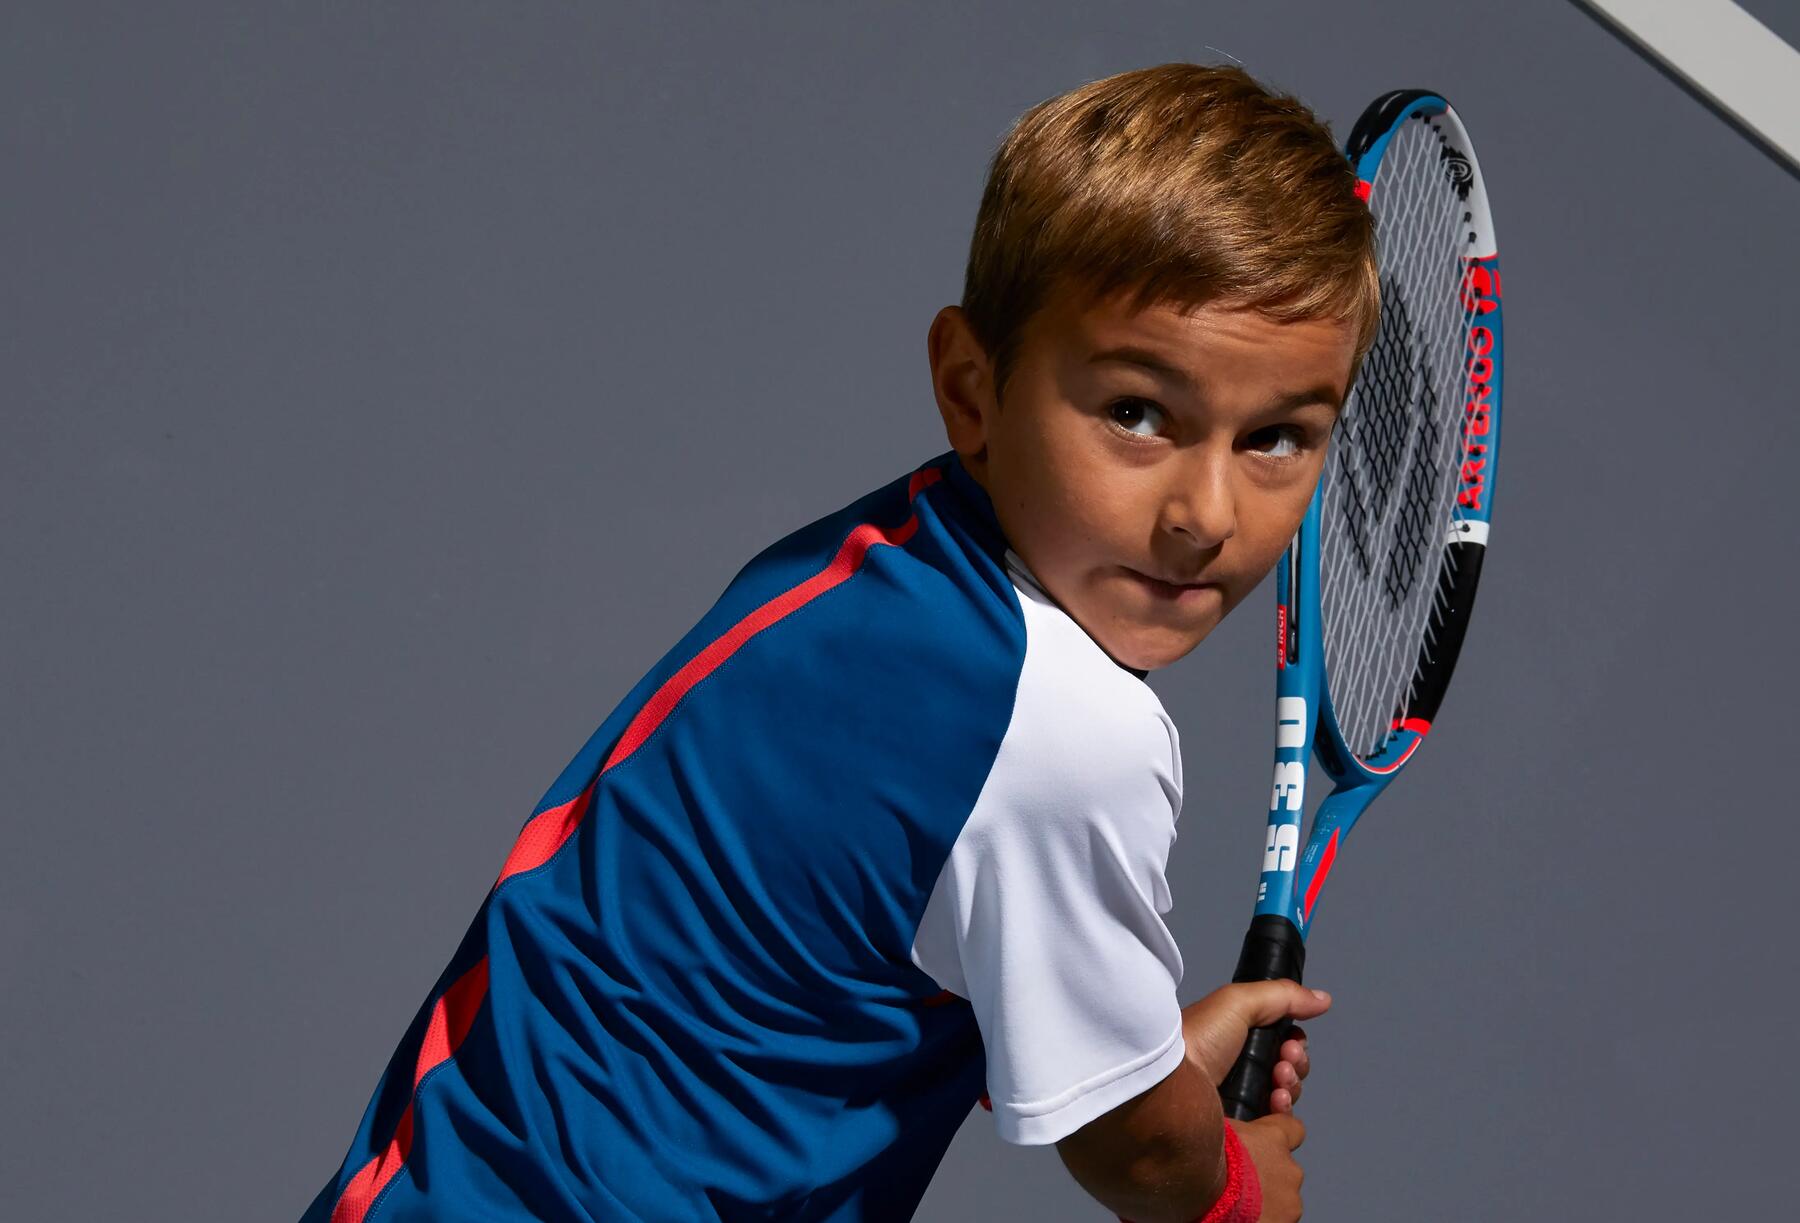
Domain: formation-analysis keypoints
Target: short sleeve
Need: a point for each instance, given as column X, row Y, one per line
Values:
column 1047, row 914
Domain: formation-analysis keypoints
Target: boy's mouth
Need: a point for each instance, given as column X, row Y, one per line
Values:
column 1173, row 591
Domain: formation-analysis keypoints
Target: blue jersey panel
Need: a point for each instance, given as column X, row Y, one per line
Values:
column 702, row 1005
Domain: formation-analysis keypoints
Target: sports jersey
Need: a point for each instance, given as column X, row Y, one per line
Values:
column 884, row 831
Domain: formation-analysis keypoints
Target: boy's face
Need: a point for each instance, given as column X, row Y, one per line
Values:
column 1149, row 466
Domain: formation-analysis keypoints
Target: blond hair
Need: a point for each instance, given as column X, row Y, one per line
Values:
column 1180, row 183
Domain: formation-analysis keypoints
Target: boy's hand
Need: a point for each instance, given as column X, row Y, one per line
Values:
column 1217, row 1025
column 1150, row 1156
column 1215, row 1028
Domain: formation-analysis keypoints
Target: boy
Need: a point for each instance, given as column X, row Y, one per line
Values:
column 888, row 827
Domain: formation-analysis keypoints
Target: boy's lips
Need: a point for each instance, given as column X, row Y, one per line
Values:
column 1171, row 590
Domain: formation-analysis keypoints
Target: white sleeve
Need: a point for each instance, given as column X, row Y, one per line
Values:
column 1047, row 914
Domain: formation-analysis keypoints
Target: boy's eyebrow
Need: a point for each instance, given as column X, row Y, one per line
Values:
column 1128, row 355
column 1143, row 357
column 1326, row 396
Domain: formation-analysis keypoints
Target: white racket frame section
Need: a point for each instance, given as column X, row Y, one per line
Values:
column 1724, row 54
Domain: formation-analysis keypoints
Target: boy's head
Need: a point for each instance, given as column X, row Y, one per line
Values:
column 1171, row 283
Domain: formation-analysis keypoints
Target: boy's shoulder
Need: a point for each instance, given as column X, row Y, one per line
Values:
column 898, row 593
column 897, row 651
column 914, row 588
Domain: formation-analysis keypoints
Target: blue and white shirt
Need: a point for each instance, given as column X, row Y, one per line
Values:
column 885, row 830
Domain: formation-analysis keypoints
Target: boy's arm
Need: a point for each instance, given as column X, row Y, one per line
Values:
column 1160, row 1157
column 1157, row 1158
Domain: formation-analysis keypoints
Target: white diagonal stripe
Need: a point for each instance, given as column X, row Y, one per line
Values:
column 1732, row 59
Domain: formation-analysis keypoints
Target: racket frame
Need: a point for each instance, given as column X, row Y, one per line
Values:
column 1307, row 728
column 1293, row 875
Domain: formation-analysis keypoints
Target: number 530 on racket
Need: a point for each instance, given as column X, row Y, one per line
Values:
column 1374, row 596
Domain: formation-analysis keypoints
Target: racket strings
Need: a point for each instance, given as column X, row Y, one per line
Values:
column 1391, row 480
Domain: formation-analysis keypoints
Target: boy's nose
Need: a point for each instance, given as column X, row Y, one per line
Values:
column 1201, row 506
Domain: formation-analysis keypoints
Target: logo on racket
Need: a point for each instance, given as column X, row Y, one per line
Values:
column 1480, row 296
column 1288, row 791
column 1457, row 171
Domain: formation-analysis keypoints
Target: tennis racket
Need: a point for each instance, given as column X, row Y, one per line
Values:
column 1374, row 596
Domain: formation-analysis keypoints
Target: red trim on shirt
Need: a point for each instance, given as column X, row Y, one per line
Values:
column 847, row 561
column 451, row 1020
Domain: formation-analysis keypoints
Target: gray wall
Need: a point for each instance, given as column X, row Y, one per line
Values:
column 387, row 386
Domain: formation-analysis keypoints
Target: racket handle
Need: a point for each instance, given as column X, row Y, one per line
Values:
column 1273, row 949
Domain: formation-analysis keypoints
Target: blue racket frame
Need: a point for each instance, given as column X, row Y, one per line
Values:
column 1306, row 724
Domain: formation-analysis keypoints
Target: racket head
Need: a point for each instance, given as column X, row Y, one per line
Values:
column 1406, row 500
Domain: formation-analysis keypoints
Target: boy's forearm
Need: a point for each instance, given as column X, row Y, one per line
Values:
column 1159, row 1158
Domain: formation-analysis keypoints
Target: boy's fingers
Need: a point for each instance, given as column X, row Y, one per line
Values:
column 1287, row 1087
column 1292, row 1132
column 1260, row 1003
column 1217, row 1025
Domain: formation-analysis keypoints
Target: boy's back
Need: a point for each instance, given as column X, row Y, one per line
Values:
column 733, row 967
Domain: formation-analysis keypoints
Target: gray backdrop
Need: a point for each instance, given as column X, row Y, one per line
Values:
column 387, row 386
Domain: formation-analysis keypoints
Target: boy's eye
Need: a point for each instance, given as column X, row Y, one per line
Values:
column 1277, row 441
column 1138, row 416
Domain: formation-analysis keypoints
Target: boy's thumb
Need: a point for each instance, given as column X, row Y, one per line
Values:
column 1260, row 1003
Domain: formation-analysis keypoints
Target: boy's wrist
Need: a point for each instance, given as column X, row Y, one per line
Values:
column 1241, row 1201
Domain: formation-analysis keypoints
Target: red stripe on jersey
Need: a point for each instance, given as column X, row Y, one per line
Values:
column 547, row 831
column 848, row 560
column 450, row 1022
column 922, row 479
column 544, row 834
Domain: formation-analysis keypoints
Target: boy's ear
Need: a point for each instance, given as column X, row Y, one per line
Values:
column 962, row 378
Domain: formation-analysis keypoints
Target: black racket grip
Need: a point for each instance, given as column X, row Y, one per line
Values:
column 1273, row 949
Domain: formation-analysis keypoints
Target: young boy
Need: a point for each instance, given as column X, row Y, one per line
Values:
column 888, row 828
